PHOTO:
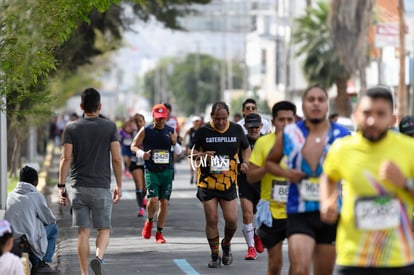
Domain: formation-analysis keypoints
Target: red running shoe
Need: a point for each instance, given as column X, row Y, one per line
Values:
column 146, row 231
column 141, row 212
column 258, row 243
column 159, row 238
column 251, row 254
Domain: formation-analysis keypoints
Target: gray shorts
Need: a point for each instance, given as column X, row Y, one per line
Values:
column 91, row 203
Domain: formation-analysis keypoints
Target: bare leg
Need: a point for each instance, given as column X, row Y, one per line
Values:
column 211, row 216
column 301, row 249
column 83, row 249
column 152, row 206
column 102, row 241
column 324, row 259
column 162, row 213
column 275, row 259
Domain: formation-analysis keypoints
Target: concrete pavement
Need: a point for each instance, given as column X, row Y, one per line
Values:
column 186, row 250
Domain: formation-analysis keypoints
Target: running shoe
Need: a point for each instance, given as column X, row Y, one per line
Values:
column 251, row 254
column 215, row 261
column 141, row 212
column 258, row 245
column 227, row 258
column 146, row 231
column 159, row 238
column 96, row 265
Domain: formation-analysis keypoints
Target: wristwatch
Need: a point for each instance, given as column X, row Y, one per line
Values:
column 409, row 185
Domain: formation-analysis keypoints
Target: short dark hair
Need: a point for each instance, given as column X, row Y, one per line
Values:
column 283, row 106
column 379, row 92
column 331, row 116
column 249, row 100
column 90, row 99
column 168, row 106
column 314, row 86
column 29, row 174
column 218, row 106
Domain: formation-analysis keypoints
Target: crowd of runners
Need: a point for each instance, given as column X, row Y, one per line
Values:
column 343, row 201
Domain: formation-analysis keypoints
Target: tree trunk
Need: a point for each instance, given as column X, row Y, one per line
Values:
column 402, row 89
column 342, row 102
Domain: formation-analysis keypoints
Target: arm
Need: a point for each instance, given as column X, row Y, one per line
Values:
column 117, row 168
column 137, row 141
column 329, row 196
column 244, row 167
column 391, row 172
column 255, row 173
column 64, row 166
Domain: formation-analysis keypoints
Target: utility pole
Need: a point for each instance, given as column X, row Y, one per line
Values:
column 402, row 89
column 3, row 154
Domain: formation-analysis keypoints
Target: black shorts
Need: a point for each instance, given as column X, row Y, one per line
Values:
column 350, row 270
column 204, row 194
column 310, row 224
column 271, row 236
column 133, row 166
column 247, row 190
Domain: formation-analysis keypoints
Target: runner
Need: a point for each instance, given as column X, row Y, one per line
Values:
column 374, row 233
column 250, row 193
column 249, row 106
column 189, row 141
column 305, row 144
column 125, row 138
column 218, row 143
column 158, row 140
column 137, row 168
column 273, row 190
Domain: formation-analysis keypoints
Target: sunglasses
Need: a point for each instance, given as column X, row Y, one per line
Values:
column 250, row 108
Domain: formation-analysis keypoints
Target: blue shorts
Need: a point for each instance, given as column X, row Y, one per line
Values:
column 91, row 204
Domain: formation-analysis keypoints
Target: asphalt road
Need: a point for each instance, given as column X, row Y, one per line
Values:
column 186, row 250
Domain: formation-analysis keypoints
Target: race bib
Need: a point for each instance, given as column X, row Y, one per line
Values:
column 127, row 141
column 309, row 189
column 377, row 213
column 161, row 156
column 279, row 191
column 219, row 164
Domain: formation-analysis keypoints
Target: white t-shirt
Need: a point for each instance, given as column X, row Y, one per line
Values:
column 266, row 129
column 10, row 264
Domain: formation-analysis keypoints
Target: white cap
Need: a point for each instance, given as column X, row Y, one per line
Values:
column 196, row 118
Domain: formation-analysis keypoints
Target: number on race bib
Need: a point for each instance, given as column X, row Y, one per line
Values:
column 309, row 189
column 161, row 157
column 280, row 191
column 219, row 165
column 377, row 213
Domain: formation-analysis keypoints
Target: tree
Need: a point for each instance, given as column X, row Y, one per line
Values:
column 321, row 61
column 350, row 21
column 39, row 37
column 191, row 87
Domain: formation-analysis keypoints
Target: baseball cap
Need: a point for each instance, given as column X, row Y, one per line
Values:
column 159, row 111
column 406, row 125
column 196, row 118
column 253, row 120
column 5, row 227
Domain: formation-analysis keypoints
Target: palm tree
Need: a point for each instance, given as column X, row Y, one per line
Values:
column 321, row 62
column 349, row 23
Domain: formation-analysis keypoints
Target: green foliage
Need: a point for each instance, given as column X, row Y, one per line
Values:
column 191, row 89
column 312, row 36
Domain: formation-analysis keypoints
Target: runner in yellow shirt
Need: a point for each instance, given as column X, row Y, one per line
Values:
column 273, row 194
column 374, row 233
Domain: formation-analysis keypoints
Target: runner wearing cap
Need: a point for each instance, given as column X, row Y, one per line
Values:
column 249, row 194
column 157, row 140
column 406, row 126
column 249, row 106
column 374, row 231
column 189, row 141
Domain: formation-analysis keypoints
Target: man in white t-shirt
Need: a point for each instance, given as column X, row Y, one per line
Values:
column 248, row 107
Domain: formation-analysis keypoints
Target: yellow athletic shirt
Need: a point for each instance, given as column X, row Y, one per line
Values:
column 269, row 183
column 374, row 229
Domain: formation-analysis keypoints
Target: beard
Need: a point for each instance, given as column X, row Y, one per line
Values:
column 376, row 138
column 316, row 120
